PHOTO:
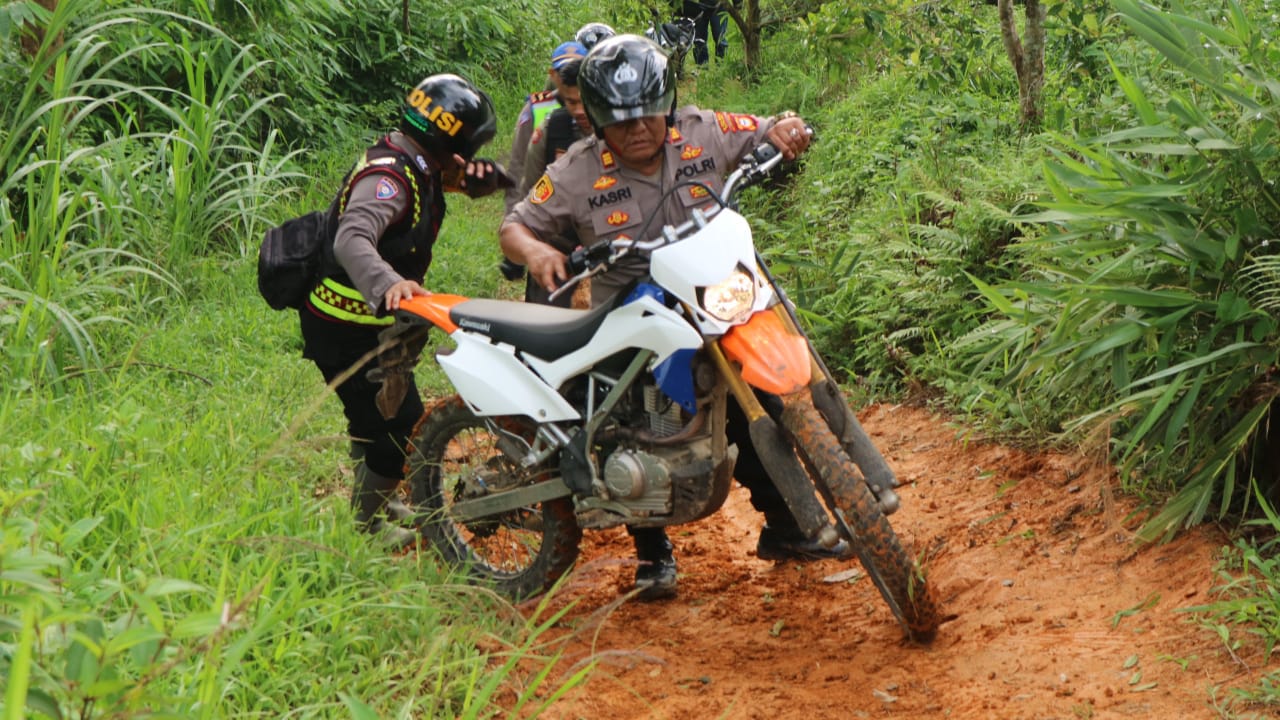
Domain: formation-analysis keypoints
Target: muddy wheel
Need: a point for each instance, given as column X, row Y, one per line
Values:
column 454, row 456
column 860, row 519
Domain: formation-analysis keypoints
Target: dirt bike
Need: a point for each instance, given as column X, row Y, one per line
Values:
column 677, row 38
column 566, row 420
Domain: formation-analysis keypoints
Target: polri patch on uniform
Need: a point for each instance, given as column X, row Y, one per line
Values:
column 542, row 191
column 386, row 189
column 690, row 152
column 604, row 182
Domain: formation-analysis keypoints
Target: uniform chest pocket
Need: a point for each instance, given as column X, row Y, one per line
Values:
column 609, row 220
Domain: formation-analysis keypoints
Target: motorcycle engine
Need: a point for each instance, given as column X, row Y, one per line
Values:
column 642, row 478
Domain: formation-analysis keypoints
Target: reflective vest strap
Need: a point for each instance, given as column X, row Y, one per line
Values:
column 344, row 303
column 541, row 110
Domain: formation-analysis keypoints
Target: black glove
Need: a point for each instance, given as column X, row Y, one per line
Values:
column 494, row 178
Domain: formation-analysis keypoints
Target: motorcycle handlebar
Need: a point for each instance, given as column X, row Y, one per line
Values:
column 752, row 168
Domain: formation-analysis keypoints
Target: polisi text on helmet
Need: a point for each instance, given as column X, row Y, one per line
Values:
column 446, row 121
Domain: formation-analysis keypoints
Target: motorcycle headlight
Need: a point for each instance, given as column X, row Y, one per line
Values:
column 731, row 298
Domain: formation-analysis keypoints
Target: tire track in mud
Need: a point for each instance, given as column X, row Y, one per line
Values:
column 1055, row 614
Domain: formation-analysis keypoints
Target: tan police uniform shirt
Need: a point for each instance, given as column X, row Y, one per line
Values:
column 587, row 190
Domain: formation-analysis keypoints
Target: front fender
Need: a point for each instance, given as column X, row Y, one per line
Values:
column 772, row 353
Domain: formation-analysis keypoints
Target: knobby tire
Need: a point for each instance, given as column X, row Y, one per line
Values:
column 520, row 553
column 901, row 584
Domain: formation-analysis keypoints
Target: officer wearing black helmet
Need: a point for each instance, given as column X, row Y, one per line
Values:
column 592, row 33
column 382, row 225
column 610, row 185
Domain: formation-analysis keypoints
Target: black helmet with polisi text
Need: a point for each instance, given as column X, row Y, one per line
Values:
column 447, row 115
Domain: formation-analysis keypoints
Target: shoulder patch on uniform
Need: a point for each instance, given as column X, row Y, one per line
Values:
column 386, row 189
column 541, row 191
column 542, row 96
column 604, row 182
column 732, row 122
column 690, row 152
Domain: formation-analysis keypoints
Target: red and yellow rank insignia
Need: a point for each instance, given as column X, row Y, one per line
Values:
column 690, row 152
column 617, row 217
column 542, row 191
column 604, row 182
column 674, row 136
column 606, row 159
column 697, row 192
column 731, row 122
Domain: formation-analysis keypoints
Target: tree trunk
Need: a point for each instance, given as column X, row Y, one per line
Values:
column 747, row 18
column 1027, row 57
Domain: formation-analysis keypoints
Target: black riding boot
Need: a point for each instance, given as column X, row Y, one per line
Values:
column 781, row 539
column 378, row 510
column 656, row 574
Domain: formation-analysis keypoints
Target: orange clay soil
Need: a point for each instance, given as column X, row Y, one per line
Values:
column 1051, row 611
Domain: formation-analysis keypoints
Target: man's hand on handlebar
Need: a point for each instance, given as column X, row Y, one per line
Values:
column 790, row 135
column 547, row 266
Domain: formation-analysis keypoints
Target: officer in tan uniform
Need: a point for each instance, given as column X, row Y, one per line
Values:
column 611, row 185
column 536, row 109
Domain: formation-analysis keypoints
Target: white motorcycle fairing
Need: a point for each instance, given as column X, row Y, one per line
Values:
column 493, row 380
column 705, row 258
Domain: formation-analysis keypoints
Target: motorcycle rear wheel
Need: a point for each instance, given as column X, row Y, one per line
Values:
column 860, row 519
column 454, row 456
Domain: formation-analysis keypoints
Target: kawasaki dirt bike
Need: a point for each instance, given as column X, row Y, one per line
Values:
column 570, row 419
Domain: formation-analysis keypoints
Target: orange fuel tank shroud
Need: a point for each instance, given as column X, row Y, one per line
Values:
column 773, row 357
column 435, row 308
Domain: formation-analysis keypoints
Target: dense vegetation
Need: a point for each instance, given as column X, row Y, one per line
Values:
column 173, row 535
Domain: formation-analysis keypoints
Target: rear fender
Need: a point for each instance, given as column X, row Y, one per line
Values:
column 431, row 308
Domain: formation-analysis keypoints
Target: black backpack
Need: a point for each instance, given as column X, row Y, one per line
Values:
column 291, row 260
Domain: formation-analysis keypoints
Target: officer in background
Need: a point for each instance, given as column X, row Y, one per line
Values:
column 610, row 185
column 563, row 127
column 536, row 109
column 382, row 226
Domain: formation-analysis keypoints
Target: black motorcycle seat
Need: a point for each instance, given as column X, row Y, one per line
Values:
column 543, row 331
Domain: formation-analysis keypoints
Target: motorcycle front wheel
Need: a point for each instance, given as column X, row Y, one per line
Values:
column 860, row 519
column 455, row 456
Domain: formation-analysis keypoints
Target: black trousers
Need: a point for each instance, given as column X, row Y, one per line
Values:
column 334, row 347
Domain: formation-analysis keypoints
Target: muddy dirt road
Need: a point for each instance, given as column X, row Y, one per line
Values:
column 1053, row 614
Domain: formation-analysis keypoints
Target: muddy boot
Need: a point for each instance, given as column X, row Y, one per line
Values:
column 377, row 513
column 782, row 540
column 656, row 574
